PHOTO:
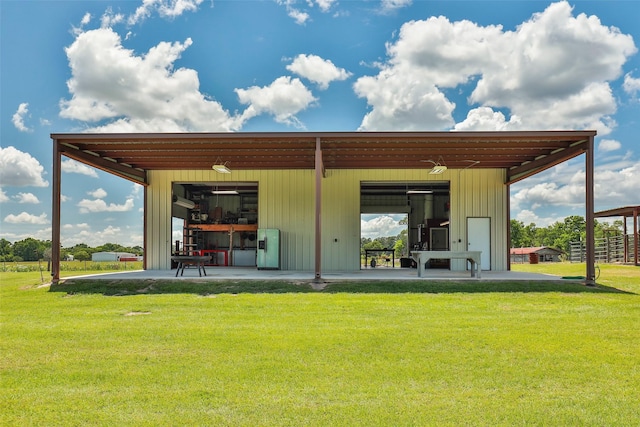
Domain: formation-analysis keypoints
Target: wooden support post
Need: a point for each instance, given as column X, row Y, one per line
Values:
column 55, row 214
column 145, row 245
column 636, row 237
column 318, row 213
column 625, row 241
column 590, row 214
column 508, row 215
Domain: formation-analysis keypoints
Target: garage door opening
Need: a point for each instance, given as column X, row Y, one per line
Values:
column 216, row 219
column 398, row 217
column 383, row 239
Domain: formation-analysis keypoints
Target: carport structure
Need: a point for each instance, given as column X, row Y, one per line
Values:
column 136, row 157
column 625, row 212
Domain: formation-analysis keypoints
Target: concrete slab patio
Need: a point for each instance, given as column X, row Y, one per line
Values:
column 251, row 273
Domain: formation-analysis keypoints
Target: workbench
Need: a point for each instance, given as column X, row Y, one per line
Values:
column 474, row 257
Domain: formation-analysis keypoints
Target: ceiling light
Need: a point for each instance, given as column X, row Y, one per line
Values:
column 420, row 192
column 221, row 168
column 181, row 201
column 225, row 192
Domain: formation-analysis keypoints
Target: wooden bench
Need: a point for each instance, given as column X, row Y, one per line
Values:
column 184, row 260
column 421, row 258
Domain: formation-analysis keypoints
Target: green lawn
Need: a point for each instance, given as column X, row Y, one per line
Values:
column 122, row 353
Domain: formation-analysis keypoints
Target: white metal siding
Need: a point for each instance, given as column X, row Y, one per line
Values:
column 480, row 193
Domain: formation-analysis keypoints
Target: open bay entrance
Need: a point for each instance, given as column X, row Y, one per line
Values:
column 421, row 210
column 383, row 240
column 218, row 220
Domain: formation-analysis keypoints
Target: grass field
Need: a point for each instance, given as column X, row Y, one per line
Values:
column 272, row 353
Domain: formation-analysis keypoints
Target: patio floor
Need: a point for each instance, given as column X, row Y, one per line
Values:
column 381, row 273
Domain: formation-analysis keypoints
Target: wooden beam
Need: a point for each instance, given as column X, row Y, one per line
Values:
column 112, row 167
column 546, row 162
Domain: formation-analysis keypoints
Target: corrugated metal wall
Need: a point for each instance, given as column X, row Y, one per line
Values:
column 286, row 201
column 480, row 193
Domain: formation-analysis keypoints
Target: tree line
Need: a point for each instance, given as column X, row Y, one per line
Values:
column 560, row 234
column 557, row 235
column 398, row 243
column 31, row 249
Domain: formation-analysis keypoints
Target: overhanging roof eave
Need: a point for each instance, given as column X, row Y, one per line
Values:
column 626, row 211
column 521, row 153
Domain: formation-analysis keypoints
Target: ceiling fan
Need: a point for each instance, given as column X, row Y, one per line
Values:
column 438, row 168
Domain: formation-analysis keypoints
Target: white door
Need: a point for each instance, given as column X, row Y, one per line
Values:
column 479, row 239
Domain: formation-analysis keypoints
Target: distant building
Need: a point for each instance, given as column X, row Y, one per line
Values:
column 114, row 256
column 535, row 254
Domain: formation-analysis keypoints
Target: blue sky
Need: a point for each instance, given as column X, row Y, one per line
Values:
column 317, row 65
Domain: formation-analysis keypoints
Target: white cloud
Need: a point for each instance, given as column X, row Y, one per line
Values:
column 402, row 103
column 26, row 218
column 609, row 145
column 283, row 98
column 82, row 226
column 123, row 92
column 86, row 19
column 318, row 70
column 529, row 217
column 550, row 194
column 26, row 198
column 83, row 22
column 298, row 16
column 631, row 85
column 390, row 5
column 98, row 193
column 19, row 169
column 614, row 186
column 73, row 234
column 165, row 8
column 484, row 118
column 325, row 5
column 18, row 117
column 3, row 196
column 72, row 166
column 99, row 205
column 552, row 72
column 380, row 226
column 94, row 237
column 109, row 18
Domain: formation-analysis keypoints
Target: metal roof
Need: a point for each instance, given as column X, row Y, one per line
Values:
column 130, row 156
